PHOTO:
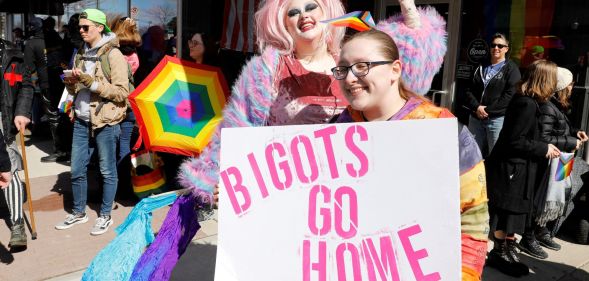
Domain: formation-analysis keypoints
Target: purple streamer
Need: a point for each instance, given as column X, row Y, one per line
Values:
column 178, row 229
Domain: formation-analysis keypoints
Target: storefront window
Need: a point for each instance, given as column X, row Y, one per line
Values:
column 113, row 7
column 157, row 25
column 149, row 13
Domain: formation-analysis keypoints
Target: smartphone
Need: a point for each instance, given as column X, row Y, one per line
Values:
column 67, row 73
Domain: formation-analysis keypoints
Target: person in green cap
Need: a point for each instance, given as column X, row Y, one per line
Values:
column 100, row 84
column 537, row 52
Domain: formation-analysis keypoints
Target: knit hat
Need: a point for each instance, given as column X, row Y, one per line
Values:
column 35, row 24
column 96, row 16
column 564, row 78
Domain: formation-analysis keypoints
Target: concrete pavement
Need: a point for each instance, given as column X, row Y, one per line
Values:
column 64, row 255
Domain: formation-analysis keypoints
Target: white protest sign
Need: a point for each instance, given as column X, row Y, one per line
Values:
column 359, row 201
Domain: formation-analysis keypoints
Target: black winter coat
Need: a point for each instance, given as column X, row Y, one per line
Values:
column 17, row 93
column 498, row 92
column 555, row 127
column 36, row 58
column 511, row 168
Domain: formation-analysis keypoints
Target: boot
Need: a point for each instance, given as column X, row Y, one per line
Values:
column 546, row 241
column 530, row 246
column 502, row 257
column 18, row 235
column 57, row 155
column 53, row 116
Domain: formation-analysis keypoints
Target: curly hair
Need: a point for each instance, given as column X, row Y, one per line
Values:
column 126, row 30
column 271, row 30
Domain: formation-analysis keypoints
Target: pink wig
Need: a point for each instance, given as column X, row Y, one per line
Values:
column 271, row 30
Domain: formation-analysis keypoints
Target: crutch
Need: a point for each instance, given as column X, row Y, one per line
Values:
column 27, row 185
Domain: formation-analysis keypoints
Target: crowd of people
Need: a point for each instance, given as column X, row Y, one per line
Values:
column 517, row 123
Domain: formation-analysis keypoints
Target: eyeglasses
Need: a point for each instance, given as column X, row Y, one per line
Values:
column 85, row 27
column 360, row 69
column 194, row 43
column 500, row 46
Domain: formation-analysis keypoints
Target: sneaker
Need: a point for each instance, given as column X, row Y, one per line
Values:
column 102, row 224
column 71, row 220
column 532, row 248
column 547, row 242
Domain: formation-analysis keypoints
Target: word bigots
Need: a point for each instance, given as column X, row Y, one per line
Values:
column 333, row 244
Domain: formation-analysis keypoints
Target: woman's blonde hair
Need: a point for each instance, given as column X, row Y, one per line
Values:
column 126, row 30
column 539, row 80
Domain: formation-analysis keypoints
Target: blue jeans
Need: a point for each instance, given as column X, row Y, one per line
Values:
column 486, row 132
column 83, row 145
column 125, row 138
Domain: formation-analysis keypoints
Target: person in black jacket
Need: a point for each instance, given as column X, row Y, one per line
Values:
column 555, row 125
column 36, row 61
column 492, row 88
column 15, row 107
column 556, row 129
column 511, row 167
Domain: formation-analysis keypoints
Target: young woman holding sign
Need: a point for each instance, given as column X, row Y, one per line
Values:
column 290, row 82
column 370, row 73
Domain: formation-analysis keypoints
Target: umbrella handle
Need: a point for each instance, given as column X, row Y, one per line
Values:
column 28, row 185
column 139, row 142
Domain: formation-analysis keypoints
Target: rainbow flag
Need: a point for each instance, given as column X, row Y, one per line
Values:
column 565, row 166
column 357, row 20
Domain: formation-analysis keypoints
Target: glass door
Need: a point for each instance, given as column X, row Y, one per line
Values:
column 442, row 89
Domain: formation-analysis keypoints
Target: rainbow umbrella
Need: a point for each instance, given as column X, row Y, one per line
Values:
column 179, row 105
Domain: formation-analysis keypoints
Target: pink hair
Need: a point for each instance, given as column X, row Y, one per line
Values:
column 271, row 31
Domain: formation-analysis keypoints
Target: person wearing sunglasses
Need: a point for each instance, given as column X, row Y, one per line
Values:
column 99, row 106
column 493, row 86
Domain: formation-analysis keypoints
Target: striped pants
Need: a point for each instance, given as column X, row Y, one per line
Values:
column 14, row 195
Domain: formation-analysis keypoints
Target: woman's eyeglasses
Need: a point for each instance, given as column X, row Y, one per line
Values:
column 500, row 46
column 194, row 43
column 85, row 27
column 360, row 69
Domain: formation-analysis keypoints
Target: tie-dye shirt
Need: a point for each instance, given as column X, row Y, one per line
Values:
column 474, row 212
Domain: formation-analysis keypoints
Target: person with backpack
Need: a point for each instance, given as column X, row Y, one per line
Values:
column 129, row 39
column 99, row 82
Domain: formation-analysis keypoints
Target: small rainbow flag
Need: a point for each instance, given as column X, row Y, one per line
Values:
column 66, row 105
column 565, row 166
column 357, row 20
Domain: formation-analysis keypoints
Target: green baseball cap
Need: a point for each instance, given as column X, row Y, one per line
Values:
column 537, row 49
column 96, row 16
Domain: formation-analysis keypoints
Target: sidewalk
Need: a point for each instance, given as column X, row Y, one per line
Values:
column 64, row 255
